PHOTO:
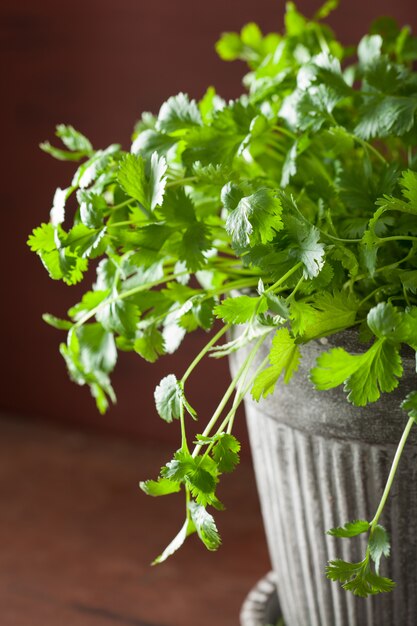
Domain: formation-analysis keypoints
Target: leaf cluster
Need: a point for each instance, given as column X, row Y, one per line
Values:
column 290, row 212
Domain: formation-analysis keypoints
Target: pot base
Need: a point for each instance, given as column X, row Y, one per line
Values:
column 261, row 607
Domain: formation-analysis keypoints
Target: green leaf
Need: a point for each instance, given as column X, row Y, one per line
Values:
column 61, row 155
column 194, row 242
column 119, row 316
column 149, row 344
column 284, row 358
column 168, row 399
column 187, row 529
column 202, row 484
column 89, row 171
column 358, row 578
column 409, row 404
column 131, row 177
column 369, row 49
column 350, row 529
column 226, row 452
column 60, row 264
column 256, row 218
column 160, row 487
column 92, row 208
column 240, row 309
column 382, row 116
column 311, row 109
column 323, row 314
column 146, row 187
column 56, row 322
column 305, row 246
column 289, row 168
column 150, row 141
column 97, row 348
column 42, row 238
column 73, row 139
column 200, row 315
column 178, row 209
column 219, row 142
column 326, row 9
column 84, row 241
column 157, row 181
column 212, row 175
column 384, row 320
column 199, row 474
column 205, row 526
column 277, row 305
column 89, row 301
column 179, row 467
column 209, row 104
column 408, row 182
column 84, row 361
column 343, row 571
column 379, row 545
column 229, row 47
column 295, row 23
column 251, row 35
column 178, row 114
column 57, row 213
column 365, row 376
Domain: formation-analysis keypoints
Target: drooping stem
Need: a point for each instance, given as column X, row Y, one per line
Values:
column 204, row 351
column 392, row 473
column 184, row 444
column 282, row 280
column 397, row 238
column 240, row 395
column 368, row 146
column 216, row 415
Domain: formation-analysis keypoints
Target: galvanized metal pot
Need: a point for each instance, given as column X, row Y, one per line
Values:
column 320, row 462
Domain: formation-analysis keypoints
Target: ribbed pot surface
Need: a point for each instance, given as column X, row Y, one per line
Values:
column 320, row 462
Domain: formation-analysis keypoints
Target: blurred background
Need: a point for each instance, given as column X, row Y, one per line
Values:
column 97, row 65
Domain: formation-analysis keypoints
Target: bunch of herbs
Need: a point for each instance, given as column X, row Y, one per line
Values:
column 291, row 212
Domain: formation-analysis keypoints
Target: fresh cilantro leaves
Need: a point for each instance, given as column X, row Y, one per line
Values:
column 359, row 577
column 284, row 358
column 290, row 212
column 146, row 188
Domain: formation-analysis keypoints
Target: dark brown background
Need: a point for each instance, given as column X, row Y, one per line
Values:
column 97, row 64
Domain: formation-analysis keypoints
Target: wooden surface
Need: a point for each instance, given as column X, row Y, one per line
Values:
column 77, row 537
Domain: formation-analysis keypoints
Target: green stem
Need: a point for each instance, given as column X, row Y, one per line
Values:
column 181, row 181
column 204, row 351
column 392, row 473
column 227, row 395
column 371, row 295
column 271, row 152
column 282, row 280
column 397, row 238
column 367, row 146
column 124, row 223
column 339, row 238
column 184, row 444
column 122, row 204
column 238, row 399
column 296, row 288
column 285, row 132
column 240, row 394
column 234, row 285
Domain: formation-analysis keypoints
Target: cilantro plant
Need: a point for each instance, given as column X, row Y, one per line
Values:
column 290, row 212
